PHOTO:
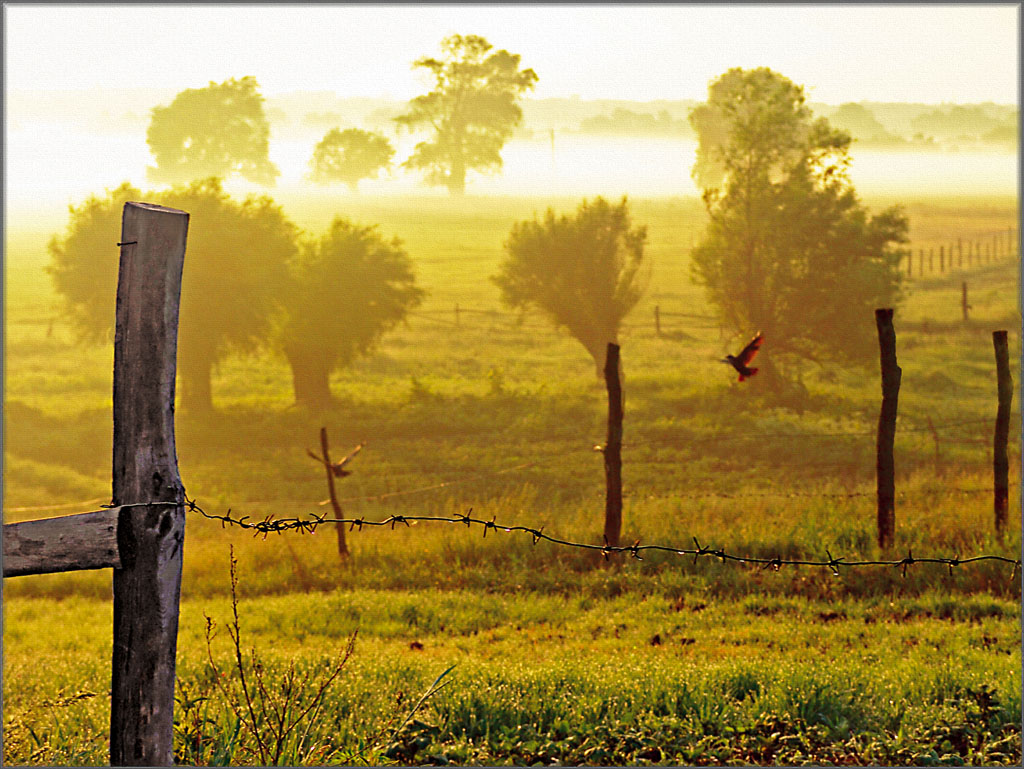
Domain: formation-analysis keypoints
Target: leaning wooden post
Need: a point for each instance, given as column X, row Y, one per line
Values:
column 335, row 505
column 613, row 449
column 151, row 522
column 884, row 468
column 1000, row 461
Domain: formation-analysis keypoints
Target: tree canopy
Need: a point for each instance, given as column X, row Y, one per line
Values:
column 346, row 290
column 235, row 264
column 471, row 111
column 219, row 130
column 585, row 272
column 790, row 250
column 349, row 156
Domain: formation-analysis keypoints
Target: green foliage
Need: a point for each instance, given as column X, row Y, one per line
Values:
column 350, row 155
column 584, row 272
column 471, row 111
column 789, row 249
column 234, row 268
column 347, row 289
column 214, row 131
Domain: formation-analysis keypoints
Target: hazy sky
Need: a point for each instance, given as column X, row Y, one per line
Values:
column 922, row 53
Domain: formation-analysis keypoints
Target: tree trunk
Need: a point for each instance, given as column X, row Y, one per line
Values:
column 310, row 381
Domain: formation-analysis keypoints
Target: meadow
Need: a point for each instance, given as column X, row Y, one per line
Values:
column 560, row 658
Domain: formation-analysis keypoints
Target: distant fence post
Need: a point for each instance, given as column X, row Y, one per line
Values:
column 963, row 300
column 151, row 522
column 613, row 449
column 657, row 320
column 884, row 465
column 931, row 260
column 920, row 263
column 335, row 505
column 1000, row 461
column 942, row 258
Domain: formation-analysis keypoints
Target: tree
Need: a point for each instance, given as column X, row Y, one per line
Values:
column 471, row 111
column 235, row 264
column 350, row 155
column 214, row 131
column 789, row 251
column 347, row 289
column 584, row 272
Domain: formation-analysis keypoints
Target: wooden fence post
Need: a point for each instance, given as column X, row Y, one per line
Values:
column 942, row 259
column 931, row 260
column 884, row 466
column 910, row 263
column 151, row 522
column 657, row 320
column 613, row 449
column 920, row 263
column 963, row 300
column 959, row 252
column 335, row 505
column 1000, row 461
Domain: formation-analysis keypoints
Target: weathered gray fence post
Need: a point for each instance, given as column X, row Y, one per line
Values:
column 1000, row 461
column 884, row 464
column 151, row 523
column 613, row 449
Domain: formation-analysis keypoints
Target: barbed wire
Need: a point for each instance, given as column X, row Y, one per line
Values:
column 271, row 525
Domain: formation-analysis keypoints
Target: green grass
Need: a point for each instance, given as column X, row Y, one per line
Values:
column 500, row 417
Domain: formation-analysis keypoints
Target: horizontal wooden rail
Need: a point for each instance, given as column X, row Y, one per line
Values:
column 67, row 543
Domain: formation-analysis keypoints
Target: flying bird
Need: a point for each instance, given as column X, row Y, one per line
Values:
column 739, row 362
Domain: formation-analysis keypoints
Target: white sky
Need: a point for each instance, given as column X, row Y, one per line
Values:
column 920, row 53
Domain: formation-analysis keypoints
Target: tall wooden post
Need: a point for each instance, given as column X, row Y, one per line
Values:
column 884, row 464
column 931, row 260
column 613, row 449
column 1000, row 461
column 942, row 258
column 151, row 529
column 964, row 306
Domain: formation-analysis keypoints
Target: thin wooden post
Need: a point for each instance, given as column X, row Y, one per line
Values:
column 884, row 464
column 1000, row 461
column 920, row 263
column 942, row 259
column 931, row 260
column 613, row 449
column 959, row 251
column 657, row 320
column 910, row 263
column 335, row 505
column 146, row 484
column 963, row 300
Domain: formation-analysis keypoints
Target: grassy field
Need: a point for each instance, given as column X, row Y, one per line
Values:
column 559, row 658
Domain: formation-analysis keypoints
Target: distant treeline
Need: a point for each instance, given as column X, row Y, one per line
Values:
column 892, row 125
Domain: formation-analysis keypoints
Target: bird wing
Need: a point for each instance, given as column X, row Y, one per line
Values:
column 342, row 462
column 750, row 350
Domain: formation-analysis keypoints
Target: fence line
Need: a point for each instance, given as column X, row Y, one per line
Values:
column 663, row 441
column 271, row 525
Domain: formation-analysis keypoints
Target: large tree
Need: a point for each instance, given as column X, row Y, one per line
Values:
column 471, row 111
column 347, row 289
column 235, row 264
column 214, row 131
column 789, row 250
column 349, row 156
column 585, row 272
